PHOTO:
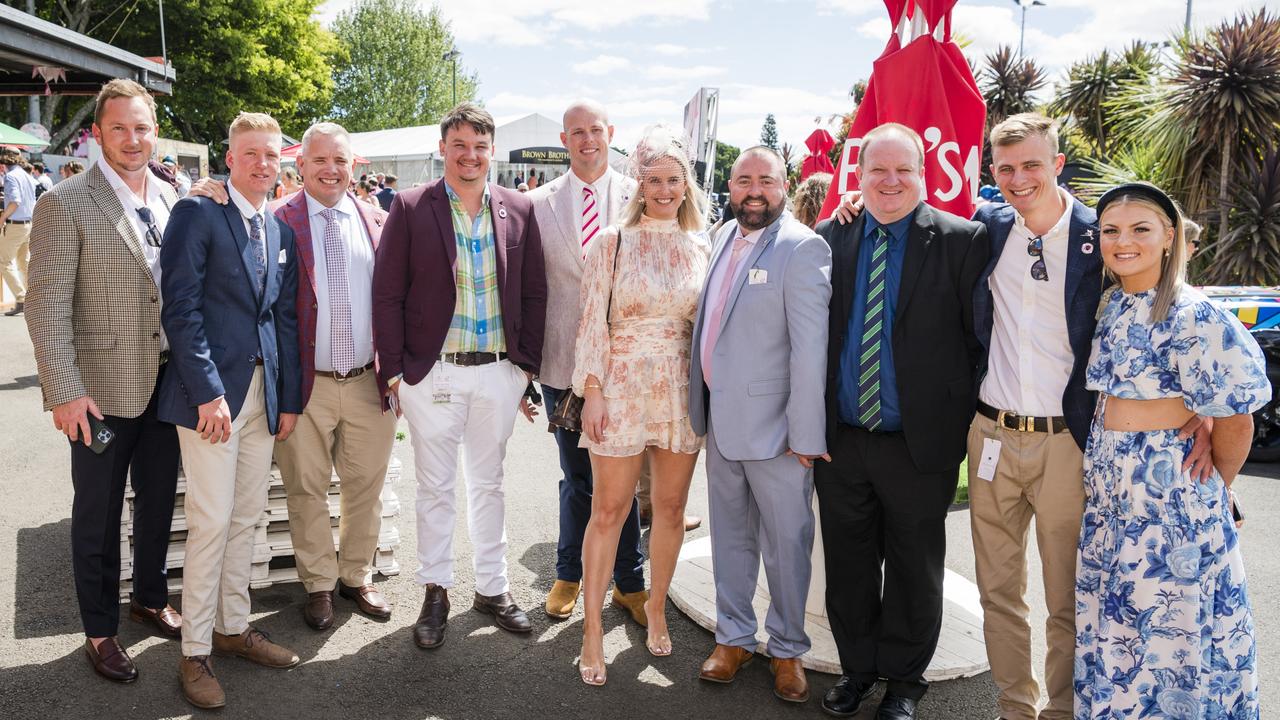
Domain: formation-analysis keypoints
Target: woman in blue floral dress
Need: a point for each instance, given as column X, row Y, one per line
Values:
column 1163, row 623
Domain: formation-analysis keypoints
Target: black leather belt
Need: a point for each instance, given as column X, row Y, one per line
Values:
column 17, row 222
column 354, row 372
column 1022, row 423
column 471, row 359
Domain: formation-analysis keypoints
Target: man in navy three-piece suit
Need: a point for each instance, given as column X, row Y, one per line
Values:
column 230, row 280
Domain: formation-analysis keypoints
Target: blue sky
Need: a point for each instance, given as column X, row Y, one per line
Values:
column 645, row 58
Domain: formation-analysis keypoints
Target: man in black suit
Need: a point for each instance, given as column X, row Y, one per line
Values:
column 901, row 379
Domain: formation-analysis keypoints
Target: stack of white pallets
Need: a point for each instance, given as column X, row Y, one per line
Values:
column 272, row 545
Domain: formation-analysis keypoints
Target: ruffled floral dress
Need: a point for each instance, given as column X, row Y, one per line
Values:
column 640, row 352
column 1163, row 623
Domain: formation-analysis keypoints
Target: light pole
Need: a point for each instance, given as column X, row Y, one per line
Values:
column 1187, row 27
column 1024, row 4
column 452, row 56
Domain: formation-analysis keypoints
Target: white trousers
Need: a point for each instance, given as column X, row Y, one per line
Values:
column 475, row 408
column 226, row 494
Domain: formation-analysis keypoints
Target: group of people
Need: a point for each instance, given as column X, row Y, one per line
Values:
column 861, row 362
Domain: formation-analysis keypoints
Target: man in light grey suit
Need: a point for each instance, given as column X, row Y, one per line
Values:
column 756, row 391
column 572, row 212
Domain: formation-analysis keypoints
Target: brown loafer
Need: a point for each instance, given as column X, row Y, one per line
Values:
column 199, row 685
column 505, row 612
column 789, row 682
column 368, row 599
column 111, row 661
column 723, row 664
column 318, row 612
column 166, row 619
column 256, row 647
column 428, row 632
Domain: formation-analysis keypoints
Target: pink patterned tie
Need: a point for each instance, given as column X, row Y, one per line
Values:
column 712, row 328
column 342, row 347
column 590, row 217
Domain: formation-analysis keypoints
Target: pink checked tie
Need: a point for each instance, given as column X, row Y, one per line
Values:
column 590, row 217
column 342, row 347
column 712, row 328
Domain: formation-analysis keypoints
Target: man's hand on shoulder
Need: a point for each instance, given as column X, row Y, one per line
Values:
column 850, row 207
column 215, row 190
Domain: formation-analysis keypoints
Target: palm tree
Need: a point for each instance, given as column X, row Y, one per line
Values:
column 1250, row 253
column 1220, row 103
column 1091, row 82
column 1008, row 84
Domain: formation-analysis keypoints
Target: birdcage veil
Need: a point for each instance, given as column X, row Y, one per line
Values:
column 658, row 142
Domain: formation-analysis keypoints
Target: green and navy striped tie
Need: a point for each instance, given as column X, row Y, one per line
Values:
column 872, row 323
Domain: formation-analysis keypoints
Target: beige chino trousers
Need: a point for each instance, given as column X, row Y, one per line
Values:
column 15, row 249
column 1038, row 475
column 343, row 428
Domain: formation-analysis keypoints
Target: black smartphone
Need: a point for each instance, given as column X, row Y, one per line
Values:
column 1236, row 514
column 102, row 435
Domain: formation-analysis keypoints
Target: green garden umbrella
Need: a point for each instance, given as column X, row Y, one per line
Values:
column 10, row 135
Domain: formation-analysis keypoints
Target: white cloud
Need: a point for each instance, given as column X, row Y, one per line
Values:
column 601, row 65
column 688, row 74
column 669, row 49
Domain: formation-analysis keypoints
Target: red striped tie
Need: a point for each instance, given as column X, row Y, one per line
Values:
column 590, row 217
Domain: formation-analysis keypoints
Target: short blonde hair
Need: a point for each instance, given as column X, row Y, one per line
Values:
column 893, row 128
column 249, row 121
column 1017, row 128
column 121, row 88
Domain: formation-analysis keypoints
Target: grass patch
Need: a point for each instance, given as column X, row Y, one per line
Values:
column 962, row 490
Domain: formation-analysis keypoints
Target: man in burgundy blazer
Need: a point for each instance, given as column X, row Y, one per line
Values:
column 459, row 304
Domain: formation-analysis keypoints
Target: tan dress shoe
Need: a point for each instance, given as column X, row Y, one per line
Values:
column 254, row 645
column 723, row 664
column 199, row 685
column 562, row 599
column 633, row 603
column 789, row 682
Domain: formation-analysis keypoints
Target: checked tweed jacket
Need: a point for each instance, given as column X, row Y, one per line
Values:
column 92, row 307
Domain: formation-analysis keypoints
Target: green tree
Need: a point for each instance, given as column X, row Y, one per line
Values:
column 1090, row 83
column 726, row 155
column 769, row 132
column 393, row 73
column 1008, row 84
column 230, row 55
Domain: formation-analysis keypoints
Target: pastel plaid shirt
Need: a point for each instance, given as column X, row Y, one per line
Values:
column 477, row 315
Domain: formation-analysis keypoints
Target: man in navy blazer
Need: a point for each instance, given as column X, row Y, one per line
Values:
column 230, row 278
column 459, row 305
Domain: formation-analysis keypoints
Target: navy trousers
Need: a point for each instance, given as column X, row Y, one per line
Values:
column 575, row 512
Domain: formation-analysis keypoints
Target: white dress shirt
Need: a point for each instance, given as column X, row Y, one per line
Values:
column 601, row 188
column 359, row 281
column 1030, row 360
column 153, row 201
column 717, row 278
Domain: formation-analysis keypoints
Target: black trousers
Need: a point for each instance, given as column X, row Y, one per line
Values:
column 878, row 510
column 146, row 451
column 575, row 512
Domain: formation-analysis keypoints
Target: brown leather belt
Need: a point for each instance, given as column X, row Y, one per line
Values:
column 355, row 372
column 471, row 359
column 1022, row 423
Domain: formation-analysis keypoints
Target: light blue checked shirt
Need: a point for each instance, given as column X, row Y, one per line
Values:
column 477, row 314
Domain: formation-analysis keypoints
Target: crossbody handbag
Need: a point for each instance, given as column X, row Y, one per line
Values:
column 567, row 414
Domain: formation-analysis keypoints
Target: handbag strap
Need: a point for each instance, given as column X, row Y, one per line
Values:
column 613, row 277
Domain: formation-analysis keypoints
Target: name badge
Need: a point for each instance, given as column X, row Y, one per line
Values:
column 757, row 276
column 441, row 388
column 282, row 259
column 990, row 456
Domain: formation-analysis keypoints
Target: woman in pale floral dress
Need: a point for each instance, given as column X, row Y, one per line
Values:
column 1163, row 623
column 632, row 369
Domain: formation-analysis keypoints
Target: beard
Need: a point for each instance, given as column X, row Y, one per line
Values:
column 756, row 219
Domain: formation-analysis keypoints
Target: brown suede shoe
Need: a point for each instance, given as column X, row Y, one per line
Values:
column 633, row 603
column 199, row 686
column 428, row 632
column 318, row 612
column 789, row 682
column 562, row 599
column 111, row 661
column 166, row 619
column 723, row 664
column 254, row 645
column 368, row 599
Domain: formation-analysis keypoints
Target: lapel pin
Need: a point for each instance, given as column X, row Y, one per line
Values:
column 1088, row 233
column 502, row 213
column 1087, row 248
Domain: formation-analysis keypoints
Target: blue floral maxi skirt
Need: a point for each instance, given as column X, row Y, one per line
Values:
column 1163, row 625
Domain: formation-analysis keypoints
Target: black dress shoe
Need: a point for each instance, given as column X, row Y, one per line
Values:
column 16, row 310
column 428, row 632
column 896, row 707
column 504, row 610
column 846, row 697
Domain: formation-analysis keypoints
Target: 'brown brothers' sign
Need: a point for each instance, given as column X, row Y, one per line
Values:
column 540, row 156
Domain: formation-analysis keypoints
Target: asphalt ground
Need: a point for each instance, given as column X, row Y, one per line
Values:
column 364, row 668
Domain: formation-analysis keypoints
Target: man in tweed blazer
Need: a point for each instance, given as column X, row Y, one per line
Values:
column 93, row 310
column 572, row 211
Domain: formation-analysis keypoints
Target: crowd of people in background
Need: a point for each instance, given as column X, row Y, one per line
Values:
column 859, row 359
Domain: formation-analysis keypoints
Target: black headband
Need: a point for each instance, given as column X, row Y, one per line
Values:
column 1146, row 190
